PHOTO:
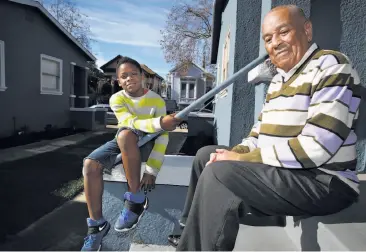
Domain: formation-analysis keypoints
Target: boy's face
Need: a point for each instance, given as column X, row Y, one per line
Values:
column 130, row 78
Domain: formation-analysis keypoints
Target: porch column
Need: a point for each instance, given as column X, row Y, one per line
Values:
column 84, row 98
column 72, row 85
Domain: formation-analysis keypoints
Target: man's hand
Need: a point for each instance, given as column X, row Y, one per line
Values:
column 212, row 158
column 147, row 182
column 169, row 122
column 222, row 154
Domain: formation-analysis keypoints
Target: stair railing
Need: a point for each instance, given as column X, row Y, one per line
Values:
column 200, row 102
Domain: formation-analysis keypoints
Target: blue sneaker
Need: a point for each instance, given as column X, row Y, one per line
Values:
column 93, row 241
column 130, row 215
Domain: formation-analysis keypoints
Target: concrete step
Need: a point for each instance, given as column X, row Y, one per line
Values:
column 176, row 170
column 263, row 239
column 249, row 239
column 150, row 247
column 344, row 231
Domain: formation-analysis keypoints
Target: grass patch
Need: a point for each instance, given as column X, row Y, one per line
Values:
column 70, row 189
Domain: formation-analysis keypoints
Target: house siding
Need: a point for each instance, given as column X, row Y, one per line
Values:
column 223, row 105
column 200, row 88
column 175, row 78
column 30, row 35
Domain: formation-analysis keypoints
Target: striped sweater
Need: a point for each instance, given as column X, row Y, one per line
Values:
column 308, row 118
column 143, row 113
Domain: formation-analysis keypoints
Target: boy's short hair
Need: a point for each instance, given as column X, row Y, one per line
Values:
column 125, row 60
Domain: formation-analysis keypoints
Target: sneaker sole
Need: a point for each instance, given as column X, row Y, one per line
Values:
column 138, row 220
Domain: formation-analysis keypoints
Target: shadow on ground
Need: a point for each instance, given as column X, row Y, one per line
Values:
column 34, row 186
column 63, row 231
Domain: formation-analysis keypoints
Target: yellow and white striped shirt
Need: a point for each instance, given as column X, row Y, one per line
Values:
column 143, row 113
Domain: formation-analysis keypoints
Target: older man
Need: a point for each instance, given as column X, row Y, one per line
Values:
column 300, row 157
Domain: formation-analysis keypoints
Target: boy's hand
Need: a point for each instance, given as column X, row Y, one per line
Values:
column 147, row 182
column 169, row 122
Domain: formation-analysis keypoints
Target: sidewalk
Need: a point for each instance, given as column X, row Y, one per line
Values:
column 24, row 151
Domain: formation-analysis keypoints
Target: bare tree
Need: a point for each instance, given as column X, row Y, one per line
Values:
column 70, row 17
column 186, row 35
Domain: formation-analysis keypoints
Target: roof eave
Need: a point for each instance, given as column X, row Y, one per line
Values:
column 55, row 22
column 219, row 6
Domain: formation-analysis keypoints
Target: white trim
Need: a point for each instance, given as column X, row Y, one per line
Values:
column 87, row 68
column 73, row 63
column 59, row 92
column 51, row 93
column 55, row 22
column 2, row 66
column 72, row 96
column 195, row 89
column 83, row 97
column 83, row 109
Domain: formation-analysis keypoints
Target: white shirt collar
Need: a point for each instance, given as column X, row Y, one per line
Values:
column 287, row 76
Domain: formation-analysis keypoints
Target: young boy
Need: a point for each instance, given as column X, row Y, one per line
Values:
column 139, row 111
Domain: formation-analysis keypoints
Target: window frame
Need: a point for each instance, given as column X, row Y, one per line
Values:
column 60, row 61
column 2, row 66
column 188, row 81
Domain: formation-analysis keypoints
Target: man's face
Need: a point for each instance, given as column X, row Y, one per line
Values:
column 286, row 37
column 130, row 78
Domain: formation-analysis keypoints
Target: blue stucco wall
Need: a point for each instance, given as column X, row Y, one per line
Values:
column 261, row 88
column 353, row 44
column 247, row 49
column 223, row 106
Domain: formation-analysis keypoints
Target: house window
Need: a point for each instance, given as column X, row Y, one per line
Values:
column 2, row 66
column 225, row 58
column 188, row 88
column 51, row 75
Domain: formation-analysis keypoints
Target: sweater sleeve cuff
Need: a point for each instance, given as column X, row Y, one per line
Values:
column 254, row 156
column 240, row 149
column 151, row 171
column 156, row 124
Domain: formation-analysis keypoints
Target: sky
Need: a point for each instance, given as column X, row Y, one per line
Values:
column 129, row 28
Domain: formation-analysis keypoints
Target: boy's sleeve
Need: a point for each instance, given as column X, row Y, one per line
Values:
column 127, row 119
column 156, row 157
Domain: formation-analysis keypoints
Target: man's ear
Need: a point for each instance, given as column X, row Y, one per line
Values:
column 308, row 27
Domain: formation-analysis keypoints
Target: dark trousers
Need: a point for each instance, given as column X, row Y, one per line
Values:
column 218, row 191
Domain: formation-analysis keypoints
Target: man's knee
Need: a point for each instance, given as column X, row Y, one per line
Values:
column 91, row 168
column 205, row 151
column 126, row 136
column 221, row 171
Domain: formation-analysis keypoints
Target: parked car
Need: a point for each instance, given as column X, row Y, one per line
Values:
column 171, row 106
column 111, row 118
column 198, row 113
